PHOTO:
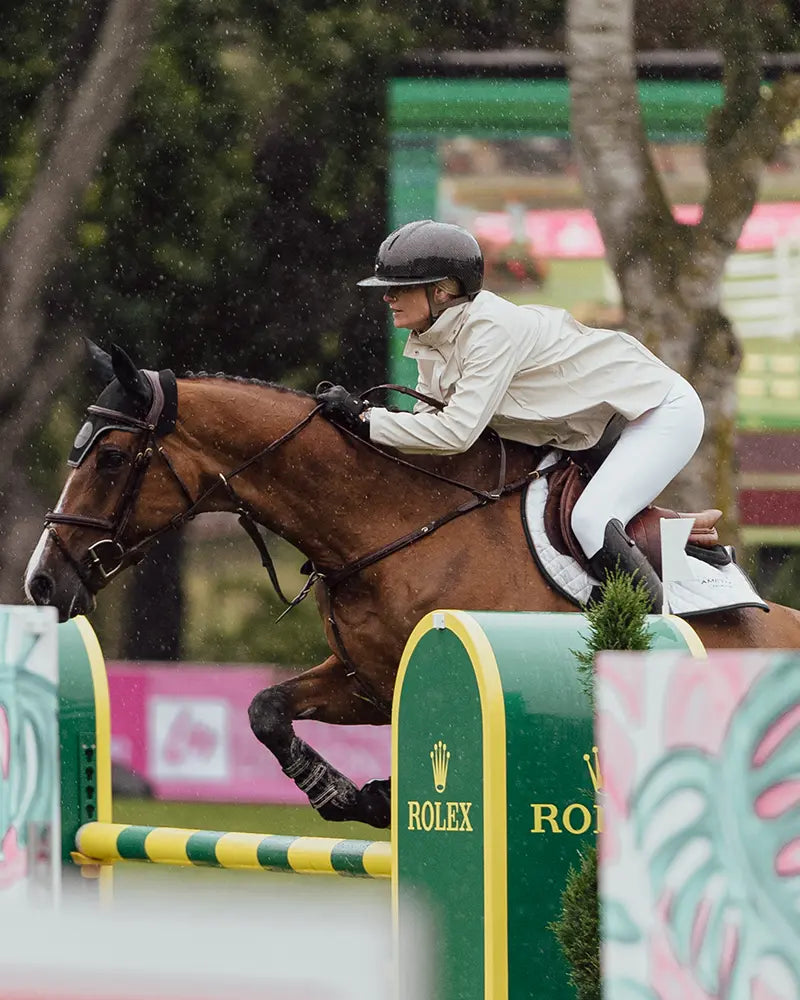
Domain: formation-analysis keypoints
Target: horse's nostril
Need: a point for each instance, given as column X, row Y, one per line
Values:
column 41, row 589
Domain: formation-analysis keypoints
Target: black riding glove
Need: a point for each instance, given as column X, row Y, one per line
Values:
column 341, row 407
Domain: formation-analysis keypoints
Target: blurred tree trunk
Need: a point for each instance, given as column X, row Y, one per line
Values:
column 155, row 588
column 669, row 274
column 77, row 118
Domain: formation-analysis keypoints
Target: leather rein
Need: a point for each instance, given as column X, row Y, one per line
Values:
column 108, row 557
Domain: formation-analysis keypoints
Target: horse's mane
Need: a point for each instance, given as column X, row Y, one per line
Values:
column 243, row 380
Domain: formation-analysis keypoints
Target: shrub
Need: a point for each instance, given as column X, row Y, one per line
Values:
column 616, row 621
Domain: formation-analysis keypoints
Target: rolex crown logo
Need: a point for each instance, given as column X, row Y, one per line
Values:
column 440, row 758
column 593, row 763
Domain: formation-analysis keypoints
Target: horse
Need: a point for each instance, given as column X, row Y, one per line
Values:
column 387, row 540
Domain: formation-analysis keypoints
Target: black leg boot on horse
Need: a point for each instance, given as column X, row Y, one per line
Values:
column 334, row 796
column 619, row 552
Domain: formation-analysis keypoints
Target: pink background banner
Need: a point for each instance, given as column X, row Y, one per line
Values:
column 184, row 729
column 574, row 233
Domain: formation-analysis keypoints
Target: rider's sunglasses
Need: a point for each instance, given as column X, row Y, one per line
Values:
column 394, row 290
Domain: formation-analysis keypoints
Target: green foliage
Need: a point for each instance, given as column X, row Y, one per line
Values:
column 233, row 617
column 322, row 166
column 481, row 24
column 163, row 239
column 230, row 607
column 36, row 34
column 578, row 927
column 689, row 25
column 48, row 450
column 617, row 621
column 243, row 197
column 776, row 570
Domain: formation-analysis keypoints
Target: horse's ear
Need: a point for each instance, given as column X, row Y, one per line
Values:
column 129, row 376
column 100, row 366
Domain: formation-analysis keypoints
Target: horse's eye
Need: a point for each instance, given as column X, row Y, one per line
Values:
column 111, row 460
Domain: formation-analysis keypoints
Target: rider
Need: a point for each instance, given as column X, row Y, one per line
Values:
column 534, row 374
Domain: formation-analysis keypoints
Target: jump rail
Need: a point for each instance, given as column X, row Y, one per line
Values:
column 109, row 843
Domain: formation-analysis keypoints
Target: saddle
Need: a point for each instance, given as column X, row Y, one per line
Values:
column 567, row 484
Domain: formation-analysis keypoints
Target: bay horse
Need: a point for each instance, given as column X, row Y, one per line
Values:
column 154, row 451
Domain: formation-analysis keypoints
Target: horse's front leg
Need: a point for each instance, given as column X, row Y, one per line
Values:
column 324, row 693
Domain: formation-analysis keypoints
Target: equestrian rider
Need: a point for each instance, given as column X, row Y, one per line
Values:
column 534, row 374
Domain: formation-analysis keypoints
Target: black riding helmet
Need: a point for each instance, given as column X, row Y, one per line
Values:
column 421, row 253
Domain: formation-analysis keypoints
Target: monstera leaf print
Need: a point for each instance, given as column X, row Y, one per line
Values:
column 28, row 752
column 721, row 838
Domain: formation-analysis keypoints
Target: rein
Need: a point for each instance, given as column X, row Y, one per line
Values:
column 108, row 557
column 437, row 404
column 480, row 498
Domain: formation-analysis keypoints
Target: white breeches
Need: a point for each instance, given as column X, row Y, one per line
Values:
column 650, row 452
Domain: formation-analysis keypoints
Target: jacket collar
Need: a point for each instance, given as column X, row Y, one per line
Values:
column 445, row 329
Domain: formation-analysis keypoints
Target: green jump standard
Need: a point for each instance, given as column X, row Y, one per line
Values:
column 495, row 778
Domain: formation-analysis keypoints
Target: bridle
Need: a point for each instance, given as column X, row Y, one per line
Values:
column 108, row 557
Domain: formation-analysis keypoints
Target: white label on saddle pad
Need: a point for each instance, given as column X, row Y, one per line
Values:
column 714, row 588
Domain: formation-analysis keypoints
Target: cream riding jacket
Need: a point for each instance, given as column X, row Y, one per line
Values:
column 533, row 373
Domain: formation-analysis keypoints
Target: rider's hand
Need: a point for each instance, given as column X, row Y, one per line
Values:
column 343, row 408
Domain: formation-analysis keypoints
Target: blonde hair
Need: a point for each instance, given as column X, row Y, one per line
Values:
column 452, row 286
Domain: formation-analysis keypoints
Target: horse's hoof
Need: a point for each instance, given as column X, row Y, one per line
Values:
column 337, row 812
column 375, row 803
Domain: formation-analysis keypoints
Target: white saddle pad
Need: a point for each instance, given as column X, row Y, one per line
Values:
column 715, row 588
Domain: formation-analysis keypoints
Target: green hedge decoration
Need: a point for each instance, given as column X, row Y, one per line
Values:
column 617, row 621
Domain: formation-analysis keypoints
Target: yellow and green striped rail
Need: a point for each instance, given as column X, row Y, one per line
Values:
column 109, row 843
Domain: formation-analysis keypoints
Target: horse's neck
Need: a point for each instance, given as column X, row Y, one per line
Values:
column 330, row 497
column 317, row 490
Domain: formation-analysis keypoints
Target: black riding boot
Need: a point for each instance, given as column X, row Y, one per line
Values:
column 621, row 552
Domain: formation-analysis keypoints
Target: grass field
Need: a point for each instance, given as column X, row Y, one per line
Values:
column 286, row 820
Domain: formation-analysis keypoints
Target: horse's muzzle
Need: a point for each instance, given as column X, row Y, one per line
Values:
column 42, row 591
column 52, row 581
